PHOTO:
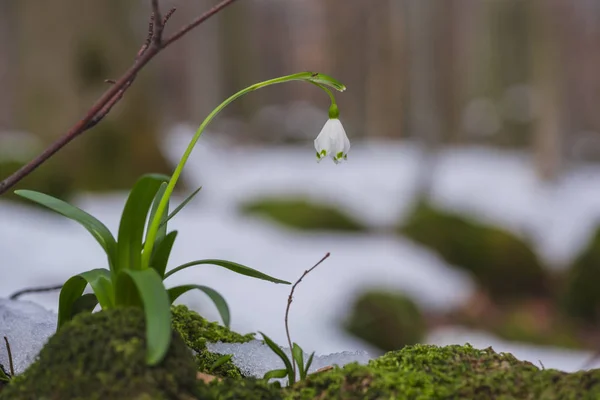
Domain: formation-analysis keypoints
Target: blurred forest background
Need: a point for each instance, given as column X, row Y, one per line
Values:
column 518, row 73
column 512, row 74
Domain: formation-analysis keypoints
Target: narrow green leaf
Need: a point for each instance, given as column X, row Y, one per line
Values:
column 298, row 356
column 98, row 230
column 219, row 301
column 84, row 304
column 162, row 231
column 235, row 267
column 277, row 350
column 180, row 207
column 220, row 361
column 308, row 364
column 157, row 309
column 133, row 221
column 100, row 281
column 3, row 376
column 276, row 373
column 327, row 80
column 162, row 252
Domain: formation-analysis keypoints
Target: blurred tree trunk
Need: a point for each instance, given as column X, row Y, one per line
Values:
column 347, row 45
column 239, row 60
column 7, row 63
column 547, row 64
column 384, row 84
column 190, row 84
column 446, row 16
column 67, row 49
column 424, row 112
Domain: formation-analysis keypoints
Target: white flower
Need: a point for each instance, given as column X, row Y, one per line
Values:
column 332, row 141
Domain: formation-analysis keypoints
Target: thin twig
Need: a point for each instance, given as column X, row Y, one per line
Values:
column 197, row 22
column 10, row 358
column 168, row 15
column 289, row 303
column 158, row 23
column 105, row 103
column 42, row 289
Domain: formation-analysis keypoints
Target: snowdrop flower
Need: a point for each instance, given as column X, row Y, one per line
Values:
column 332, row 141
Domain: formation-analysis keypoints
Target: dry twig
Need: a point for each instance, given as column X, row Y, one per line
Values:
column 114, row 94
column 40, row 289
column 10, row 358
column 289, row 303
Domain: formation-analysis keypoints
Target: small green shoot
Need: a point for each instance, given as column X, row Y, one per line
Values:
column 297, row 362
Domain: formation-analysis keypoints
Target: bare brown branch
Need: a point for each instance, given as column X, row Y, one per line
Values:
column 112, row 96
column 289, row 303
column 158, row 23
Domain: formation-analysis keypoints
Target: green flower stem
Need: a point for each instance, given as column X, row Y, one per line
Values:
column 316, row 78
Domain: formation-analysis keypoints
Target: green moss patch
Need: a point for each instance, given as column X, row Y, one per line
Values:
column 581, row 297
column 102, row 356
column 501, row 263
column 303, row 214
column 196, row 331
column 386, row 320
column 426, row 372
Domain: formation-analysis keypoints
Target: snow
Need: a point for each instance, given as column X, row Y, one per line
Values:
column 376, row 184
column 256, row 358
column 27, row 326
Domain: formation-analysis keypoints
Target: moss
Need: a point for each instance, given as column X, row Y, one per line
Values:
column 581, row 298
column 102, row 356
column 205, row 361
column 424, row 372
column 246, row 389
column 452, row 372
column 303, row 215
column 196, row 331
column 388, row 321
column 502, row 264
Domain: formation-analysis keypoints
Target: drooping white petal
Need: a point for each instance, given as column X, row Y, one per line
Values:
column 332, row 141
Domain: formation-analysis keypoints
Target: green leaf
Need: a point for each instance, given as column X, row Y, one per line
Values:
column 298, row 356
column 162, row 252
column 327, row 80
column 162, row 230
column 157, row 308
column 219, row 301
column 98, row 230
column 133, row 221
column 277, row 350
column 276, row 373
column 180, row 207
column 84, row 304
column 100, row 281
column 220, row 361
column 308, row 364
column 235, row 267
